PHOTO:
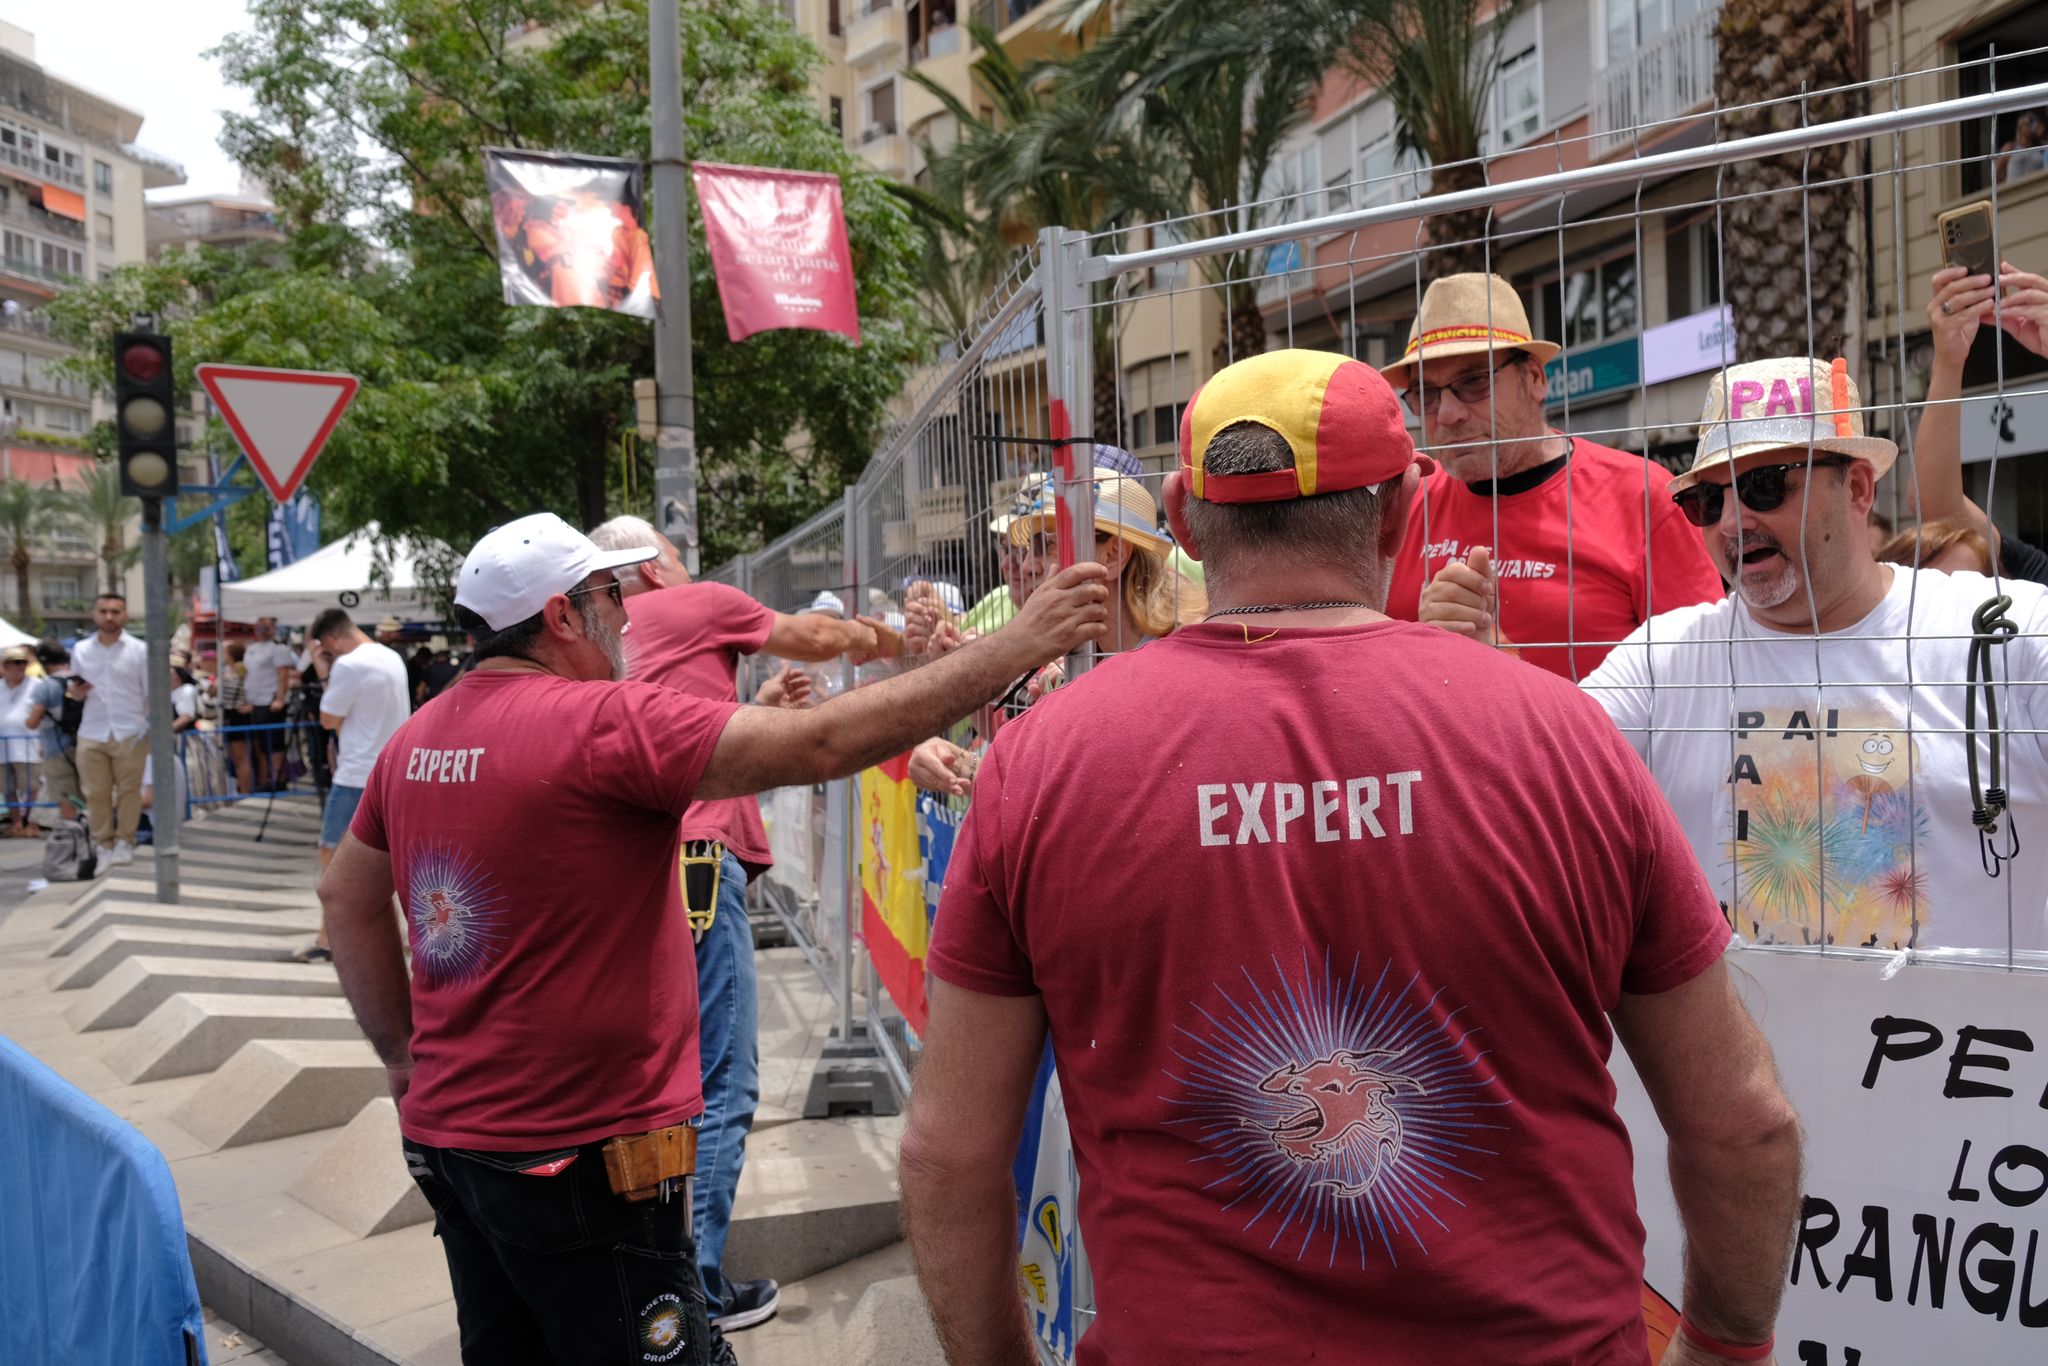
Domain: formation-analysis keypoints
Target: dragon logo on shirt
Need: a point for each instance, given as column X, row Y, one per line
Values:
column 455, row 912
column 1346, row 1112
column 1347, row 1107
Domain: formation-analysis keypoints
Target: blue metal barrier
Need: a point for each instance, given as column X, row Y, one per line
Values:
column 26, row 748
column 204, row 758
column 93, row 1261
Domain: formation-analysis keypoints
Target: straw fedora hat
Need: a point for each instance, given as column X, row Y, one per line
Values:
column 1766, row 407
column 1123, row 507
column 1462, row 314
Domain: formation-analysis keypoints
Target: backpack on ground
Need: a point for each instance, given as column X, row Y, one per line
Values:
column 69, row 854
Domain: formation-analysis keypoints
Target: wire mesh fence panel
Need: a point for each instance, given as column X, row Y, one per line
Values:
column 1661, row 288
column 804, row 570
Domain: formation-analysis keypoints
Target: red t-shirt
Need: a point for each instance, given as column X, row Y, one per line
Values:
column 691, row 639
column 1327, row 927
column 532, row 824
column 1586, row 556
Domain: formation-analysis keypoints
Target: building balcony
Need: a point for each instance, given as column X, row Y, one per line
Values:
column 39, row 167
column 21, row 268
column 886, row 150
column 875, row 37
column 15, row 209
column 1671, row 76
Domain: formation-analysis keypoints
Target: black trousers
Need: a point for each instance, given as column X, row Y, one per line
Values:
column 557, row 1270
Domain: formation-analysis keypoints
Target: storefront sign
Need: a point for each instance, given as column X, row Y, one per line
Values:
column 2014, row 424
column 1598, row 370
column 1689, row 346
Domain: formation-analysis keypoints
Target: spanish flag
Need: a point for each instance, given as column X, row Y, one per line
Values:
column 892, row 901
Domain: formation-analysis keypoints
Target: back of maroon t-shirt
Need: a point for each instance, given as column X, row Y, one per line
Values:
column 1327, row 924
column 691, row 639
column 532, row 824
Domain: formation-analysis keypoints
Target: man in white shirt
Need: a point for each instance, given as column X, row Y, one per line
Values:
column 1811, row 730
column 113, row 738
column 271, row 665
column 366, row 699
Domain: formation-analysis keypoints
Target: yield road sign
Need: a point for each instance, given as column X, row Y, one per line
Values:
column 281, row 417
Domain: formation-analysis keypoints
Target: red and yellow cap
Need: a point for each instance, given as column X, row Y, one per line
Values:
column 1338, row 415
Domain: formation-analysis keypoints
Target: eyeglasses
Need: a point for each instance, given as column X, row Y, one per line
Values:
column 610, row 587
column 1762, row 489
column 1471, row 390
column 1043, row 547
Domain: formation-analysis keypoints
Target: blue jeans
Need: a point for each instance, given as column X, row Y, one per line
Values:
column 728, row 1037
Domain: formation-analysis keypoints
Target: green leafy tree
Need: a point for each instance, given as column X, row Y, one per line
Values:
column 28, row 510
column 368, row 124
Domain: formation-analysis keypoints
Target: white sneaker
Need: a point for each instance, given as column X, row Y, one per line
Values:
column 122, row 852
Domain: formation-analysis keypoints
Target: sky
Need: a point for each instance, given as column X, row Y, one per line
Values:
column 145, row 54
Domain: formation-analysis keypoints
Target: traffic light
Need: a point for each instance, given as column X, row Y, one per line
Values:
column 145, row 414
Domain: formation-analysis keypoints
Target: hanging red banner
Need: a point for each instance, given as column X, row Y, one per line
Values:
column 779, row 249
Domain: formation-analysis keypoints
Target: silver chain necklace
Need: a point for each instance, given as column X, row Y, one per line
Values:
column 1286, row 607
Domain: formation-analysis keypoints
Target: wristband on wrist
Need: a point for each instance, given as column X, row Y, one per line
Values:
column 1756, row 1352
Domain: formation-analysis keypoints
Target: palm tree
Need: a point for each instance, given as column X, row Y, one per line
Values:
column 105, row 510
column 1783, row 248
column 1435, row 61
column 1036, row 161
column 1224, row 86
column 28, row 510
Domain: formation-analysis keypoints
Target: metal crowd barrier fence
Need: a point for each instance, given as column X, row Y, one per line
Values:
column 21, row 762
column 211, row 761
column 1092, row 351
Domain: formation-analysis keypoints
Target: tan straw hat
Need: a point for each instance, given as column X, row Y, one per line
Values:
column 1798, row 403
column 1462, row 314
column 1123, row 507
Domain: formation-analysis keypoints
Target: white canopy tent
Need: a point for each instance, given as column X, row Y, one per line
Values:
column 339, row 574
column 12, row 635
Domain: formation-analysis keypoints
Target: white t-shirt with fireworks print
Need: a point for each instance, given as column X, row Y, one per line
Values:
column 1823, row 781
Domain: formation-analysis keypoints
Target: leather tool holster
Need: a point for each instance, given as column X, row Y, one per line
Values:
column 640, row 1166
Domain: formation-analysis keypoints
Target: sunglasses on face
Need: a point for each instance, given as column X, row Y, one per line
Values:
column 1471, row 390
column 610, row 588
column 1762, row 489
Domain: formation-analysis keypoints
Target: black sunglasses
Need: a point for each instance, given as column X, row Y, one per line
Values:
column 1472, row 390
column 611, row 587
column 1762, row 489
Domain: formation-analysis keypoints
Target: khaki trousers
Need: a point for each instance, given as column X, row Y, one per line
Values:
column 110, row 771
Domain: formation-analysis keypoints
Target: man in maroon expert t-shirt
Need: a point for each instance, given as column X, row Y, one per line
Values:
column 691, row 637
column 1333, row 1025
column 1573, row 542
column 529, row 822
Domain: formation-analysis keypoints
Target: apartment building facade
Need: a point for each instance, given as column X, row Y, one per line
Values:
column 1627, row 278
column 71, row 208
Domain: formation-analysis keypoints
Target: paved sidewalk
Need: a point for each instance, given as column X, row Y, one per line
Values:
column 226, row 1343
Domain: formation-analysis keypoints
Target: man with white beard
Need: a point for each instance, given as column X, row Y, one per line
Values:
column 1811, row 730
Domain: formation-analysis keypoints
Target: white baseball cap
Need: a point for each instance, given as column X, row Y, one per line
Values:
column 828, row 603
column 510, row 574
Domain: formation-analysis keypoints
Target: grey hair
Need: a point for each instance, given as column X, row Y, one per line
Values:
column 626, row 533
column 1330, row 531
